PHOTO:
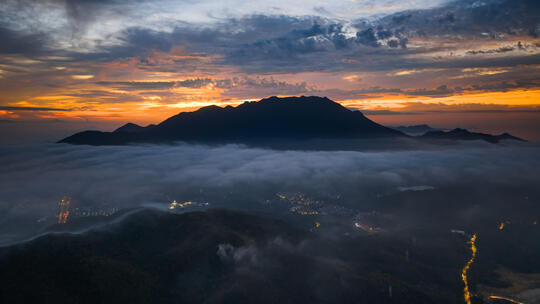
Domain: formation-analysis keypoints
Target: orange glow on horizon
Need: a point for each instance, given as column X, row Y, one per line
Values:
column 155, row 108
column 514, row 98
column 163, row 84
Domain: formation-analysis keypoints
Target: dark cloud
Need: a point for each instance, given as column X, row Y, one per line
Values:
column 448, row 17
column 17, row 42
column 297, row 42
column 393, row 43
column 268, row 44
column 82, row 13
column 155, row 85
column 442, row 90
column 217, row 39
column 468, row 17
column 261, row 82
column 234, row 83
column 262, row 43
column 320, row 48
column 367, row 37
column 283, row 44
column 503, row 49
column 137, row 40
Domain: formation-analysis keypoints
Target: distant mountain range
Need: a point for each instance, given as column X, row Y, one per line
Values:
column 289, row 119
column 416, row 129
column 463, row 134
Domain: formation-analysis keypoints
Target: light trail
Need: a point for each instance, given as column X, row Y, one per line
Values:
column 367, row 228
column 466, row 292
column 506, row 299
column 503, row 224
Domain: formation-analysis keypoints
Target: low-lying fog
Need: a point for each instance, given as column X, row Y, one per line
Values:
column 35, row 178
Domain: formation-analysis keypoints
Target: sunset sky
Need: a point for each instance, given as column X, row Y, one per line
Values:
column 70, row 65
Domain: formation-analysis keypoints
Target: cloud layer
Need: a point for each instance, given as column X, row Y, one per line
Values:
column 35, row 178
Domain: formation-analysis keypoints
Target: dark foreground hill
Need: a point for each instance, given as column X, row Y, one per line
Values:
column 217, row 256
column 291, row 118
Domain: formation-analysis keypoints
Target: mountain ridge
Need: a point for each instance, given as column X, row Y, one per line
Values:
column 464, row 134
column 273, row 121
column 292, row 118
column 414, row 130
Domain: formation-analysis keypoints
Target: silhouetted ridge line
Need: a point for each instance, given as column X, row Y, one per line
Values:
column 273, row 118
column 464, row 134
column 415, row 129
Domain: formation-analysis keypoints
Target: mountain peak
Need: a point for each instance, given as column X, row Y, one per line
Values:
column 296, row 99
column 275, row 118
column 210, row 108
column 129, row 127
column 292, row 100
column 416, row 129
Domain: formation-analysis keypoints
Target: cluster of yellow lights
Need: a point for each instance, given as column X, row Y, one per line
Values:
column 63, row 213
column 301, row 204
column 503, row 224
column 317, row 225
column 302, row 211
column 176, row 204
column 299, row 199
column 281, row 196
column 466, row 292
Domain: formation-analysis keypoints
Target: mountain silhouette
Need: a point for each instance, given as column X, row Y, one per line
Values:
column 273, row 118
column 130, row 127
column 464, row 134
column 415, row 129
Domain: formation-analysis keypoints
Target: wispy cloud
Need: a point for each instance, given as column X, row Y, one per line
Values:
column 8, row 108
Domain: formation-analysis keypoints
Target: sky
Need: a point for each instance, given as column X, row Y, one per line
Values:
column 72, row 65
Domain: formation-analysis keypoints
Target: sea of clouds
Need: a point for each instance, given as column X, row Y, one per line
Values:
column 35, row 178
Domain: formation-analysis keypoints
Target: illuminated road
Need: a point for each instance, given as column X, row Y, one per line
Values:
column 466, row 292
column 506, row 299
